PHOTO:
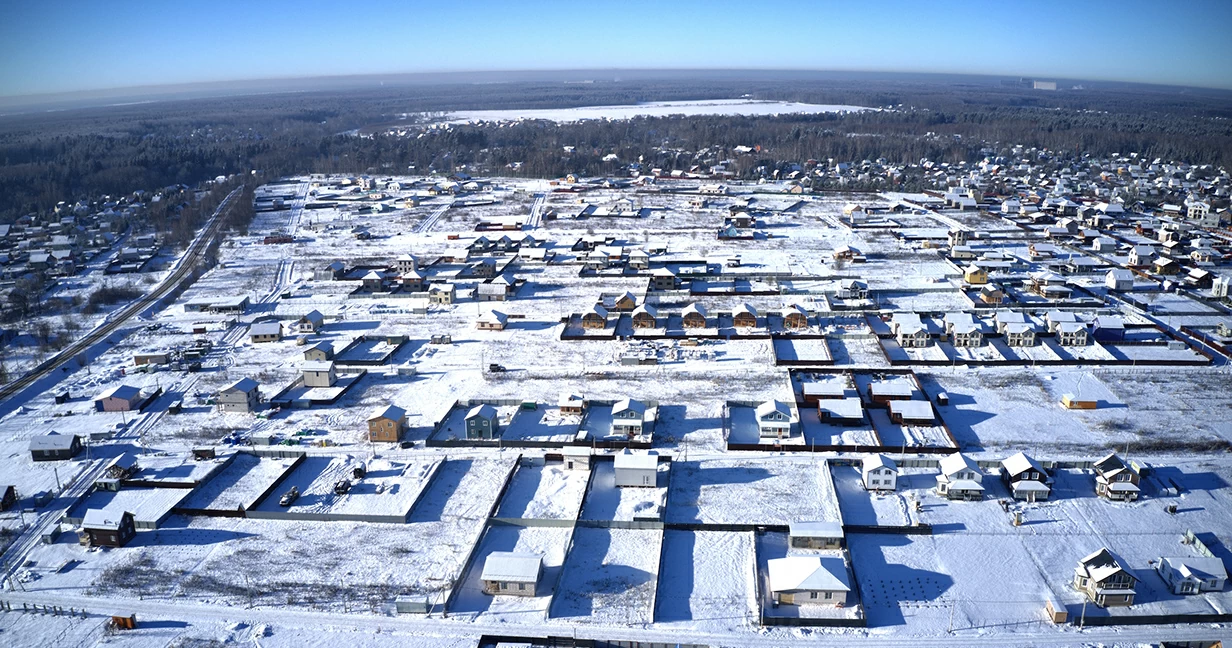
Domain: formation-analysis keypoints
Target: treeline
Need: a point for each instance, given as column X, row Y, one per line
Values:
column 76, row 154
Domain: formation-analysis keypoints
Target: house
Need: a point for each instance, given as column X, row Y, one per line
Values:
column 481, row 422
column 966, row 334
column 106, row 528
column 663, row 279
column 54, row 446
column 883, row 391
column 773, row 420
column 636, row 469
column 795, row 317
column 405, row 263
column 1198, row 278
column 1108, row 327
column 571, row 404
column 1119, row 279
column 1072, row 334
column 595, row 317
column 1020, row 334
column 511, row 573
column 242, row 395
column 319, row 373
column 121, row 398
column 625, row 302
column 374, row 281
column 694, row 316
column 1165, row 266
column 442, row 294
column 320, row 352
column 8, row 496
column 962, row 252
column 852, row 289
column 1140, row 255
column 975, row 275
column 265, row 332
column 911, row 412
column 1025, row 478
column 991, row 294
column 744, row 317
column 1116, row 480
column 1192, row 574
column 639, row 259
column 846, row 253
column 310, row 323
column 1039, row 251
column 1104, row 581
column 332, row 272
column 909, row 330
column 491, row 321
column 412, row 281
column 808, row 581
column 387, row 424
column 960, row 478
column 815, row 535
column 879, row 473
column 645, row 317
column 841, row 411
column 628, row 418
column 576, row 457
column 1056, row 318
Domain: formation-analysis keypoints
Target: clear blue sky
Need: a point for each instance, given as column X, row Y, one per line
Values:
column 66, row 45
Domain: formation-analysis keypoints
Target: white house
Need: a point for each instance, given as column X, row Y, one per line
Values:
column 808, row 581
column 774, row 419
column 628, row 418
column 512, row 573
column 960, row 478
column 1119, row 279
column 879, row 473
column 636, row 469
column 1192, row 574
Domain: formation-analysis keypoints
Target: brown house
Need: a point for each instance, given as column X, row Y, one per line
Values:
column 387, row 424
column 107, row 529
column 694, row 316
column 645, row 317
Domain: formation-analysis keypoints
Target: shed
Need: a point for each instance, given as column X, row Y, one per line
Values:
column 512, row 573
column 636, row 469
column 816, row 535
column 54, row 446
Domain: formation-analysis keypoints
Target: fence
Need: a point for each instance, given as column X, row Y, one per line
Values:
column 470, row 555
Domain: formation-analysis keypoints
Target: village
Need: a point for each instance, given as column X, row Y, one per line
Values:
column 668, row 405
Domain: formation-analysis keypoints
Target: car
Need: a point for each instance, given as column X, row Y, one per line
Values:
column 495, row 368
column 289, row 497
column 407, row 444
column 342, row 486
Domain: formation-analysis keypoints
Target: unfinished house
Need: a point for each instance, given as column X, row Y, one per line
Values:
column 595, row 318
column 795, row 317
column 744, row 317
column 387, row 424
column 243, row 395
column 694, row 317
column 645, row 317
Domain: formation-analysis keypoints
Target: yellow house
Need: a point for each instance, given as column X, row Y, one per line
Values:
column 974, row 274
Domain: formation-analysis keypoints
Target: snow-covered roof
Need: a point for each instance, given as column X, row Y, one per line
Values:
column 391, row 412
column 965, row 485
column 243, row 385
column 1020, row 463
column 265, row 328
column 318, row 365
column 125, row 392
column 808, row 573
column 896, row 387
column 695, row 308
column 772, row 406
column 512, row 567
column 628, row 460
column 1197, row 567
column 570, row 400
column 481, row 411
column 102, row 520
column 912, row 410
column 952, row 464
column 493, row 317
column 52, row 441
column 627, row 404
column 822, row 529
column 873, row 462
column 647, row 309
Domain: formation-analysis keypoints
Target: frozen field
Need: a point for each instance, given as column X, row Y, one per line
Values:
column 772, row 490
column 652, row 109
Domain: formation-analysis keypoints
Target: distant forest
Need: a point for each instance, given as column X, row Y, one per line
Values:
column 82, row 153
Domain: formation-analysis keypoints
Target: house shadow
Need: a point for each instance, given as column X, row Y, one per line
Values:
column 855, row 503
column 337, row 327
column 580, row 589
column 885, row 588
column 673, row 423
column 962, row 425
column 521, row 492
column 531, row 325
column 185, row 537
column 443, row 486
column 676, row 582
column 690, row 478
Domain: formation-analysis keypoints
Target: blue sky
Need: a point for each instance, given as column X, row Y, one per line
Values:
column 66, row 45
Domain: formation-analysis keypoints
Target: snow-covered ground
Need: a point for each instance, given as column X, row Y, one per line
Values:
column 747, row 107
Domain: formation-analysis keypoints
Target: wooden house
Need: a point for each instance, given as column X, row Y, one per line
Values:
column 815, row 535
column 106, row 528
column 595, row 317
column 481, row 422
column 975, row 275
column 881, row 392
column 243, row 395
column 571, row 404
column 387, row 424
column 795, row 317
column 54, row 446
column 744, row 317
column 645, row 317
column 1104, row 581
column 911, row 412
column 1025, row 478
column 694, row 316
column 625, row 302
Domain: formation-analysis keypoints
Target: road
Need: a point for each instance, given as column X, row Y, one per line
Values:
column 428, row 223
column 184, row 266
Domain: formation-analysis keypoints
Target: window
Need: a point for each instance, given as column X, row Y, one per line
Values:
column 521, row 587
column 829, row 595
column 812, row 595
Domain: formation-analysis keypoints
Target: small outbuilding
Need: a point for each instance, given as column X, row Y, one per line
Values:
column 816, row 535
column 511, row 573
column 54, row 446
column 636, row 469
column 121, row 398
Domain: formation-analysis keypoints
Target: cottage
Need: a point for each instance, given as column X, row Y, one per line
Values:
column 405, row 263
column 965, row 333
column 571, row 404
column 1119, row 279
column 481, row 422
column 1192, row 574
column 645, row 317
column 319, row 352
column 744, row 317
column 265, row 332
column 636, row 469
column 1056, row 318
column 491, row 321
column 54, row 446
column 387, row 424
column 1141, row 255
column 815, row 535
column 595, row 317
column 883, row 391
column 975, row 275
column 795, row 317
column 879, row 473
column 991, row 294
column 694, row 316
column 1072, row 334
column 320, row 373
column 1020, row 334
column 1104, row 581
column 808, row 581
column 1116, row 480
column 773, row 420
column 310, row 323
column 911, row 412
column 511, row 573
column 121, row 398
column 106, row 528
column 242, row 395
column 960, row 478
column 374, row 281
column 1025, row 478
column 663, row 279
column 628, row 418
column 909, row 330
column 442, row 294
column 1108, row 327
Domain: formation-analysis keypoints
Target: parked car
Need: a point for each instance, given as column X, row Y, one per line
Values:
column 342, row 486
column 289, row 497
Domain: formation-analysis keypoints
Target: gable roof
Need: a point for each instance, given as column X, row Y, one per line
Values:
column 956, row 462
column 512, row 566
column 808, row 573
column 1020, row 463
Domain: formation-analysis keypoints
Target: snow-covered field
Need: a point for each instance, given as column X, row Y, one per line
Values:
column 747, row 107
column 771, row 490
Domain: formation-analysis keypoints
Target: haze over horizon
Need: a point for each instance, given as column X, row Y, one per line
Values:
column 66, row 46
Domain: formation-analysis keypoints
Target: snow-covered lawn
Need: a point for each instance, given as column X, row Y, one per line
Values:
column 609, row 577
column 706, row 580
column 544, row 491
column 606, row 501
column 771, row 489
